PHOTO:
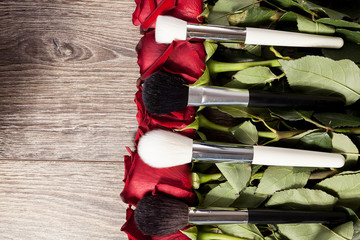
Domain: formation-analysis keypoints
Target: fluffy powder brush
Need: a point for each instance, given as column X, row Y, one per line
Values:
column 169, row 28
column 160, row 149
column 160, row 216
column 164, row 92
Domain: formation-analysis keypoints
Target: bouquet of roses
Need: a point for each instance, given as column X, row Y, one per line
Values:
column 272, row 69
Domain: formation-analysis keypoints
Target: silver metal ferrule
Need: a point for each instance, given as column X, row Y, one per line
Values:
column 214, row 32
column 217, row 96
column 215, row 216
column 216, row 152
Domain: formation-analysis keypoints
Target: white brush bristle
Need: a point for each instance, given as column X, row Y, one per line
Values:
column 169, row 28
column 161, row 149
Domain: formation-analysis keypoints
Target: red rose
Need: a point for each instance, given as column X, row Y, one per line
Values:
column 147, row 11
column 141, row 179
column 181, row 57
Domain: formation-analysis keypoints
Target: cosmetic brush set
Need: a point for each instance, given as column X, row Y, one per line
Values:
column 164, row 93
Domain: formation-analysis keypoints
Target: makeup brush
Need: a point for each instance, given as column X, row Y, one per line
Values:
column 160, row 216
column 165, row 92
column 160, row 149
column 169, row 28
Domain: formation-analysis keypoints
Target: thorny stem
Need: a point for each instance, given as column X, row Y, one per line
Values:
column 315, row 123
column 206, row 123
column 200, row 178
column 217, row 67
column 273, row 134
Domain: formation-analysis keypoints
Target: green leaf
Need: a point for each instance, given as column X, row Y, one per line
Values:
column 321, row 73
column 222, row 8
column 253, row 49
column 316, row 231
column 352, row 36
column 210, row 49
column 222, row 195
column 249, row 199
column 320, row 9
column 345, row 187
column 248, row 231
column 254, row 17
column 237, row 174
column 245, row 133
column 332, row 13
column 244, row 112
column 302, row 198
column 282, row 178
column 317, row 139
column 289, row 4
column 283, row 3
column 356, row 221
column 307, row 25
column 301, row 135
column 339, row 23
column 335, row 120
column 204, row 79
column 343, row 144
column 275, row 236
column 291, row 115
column 193, row 125
column 253, row 75
column 191, row 232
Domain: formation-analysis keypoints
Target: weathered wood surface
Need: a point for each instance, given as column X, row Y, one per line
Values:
column 67, row 73
column 60, row 200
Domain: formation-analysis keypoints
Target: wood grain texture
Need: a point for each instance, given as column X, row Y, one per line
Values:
column 61, row 200
column 67, row 73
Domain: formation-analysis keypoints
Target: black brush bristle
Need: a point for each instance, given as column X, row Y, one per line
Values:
column 165, row 93
column 160, row 216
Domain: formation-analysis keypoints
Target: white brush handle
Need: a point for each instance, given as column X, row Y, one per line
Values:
column 264, row 155
column 258, row 36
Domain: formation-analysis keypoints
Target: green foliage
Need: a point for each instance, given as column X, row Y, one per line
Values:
column 248, row 231
column 343, row 144
column 316, row 231
column 339, row 23
column 222, row 195
column 237, row 174
column 346, row 187
column 222, row 8
column 245, row 133
column 319, row 73
column 302, row 198
column 249, row 199
column 254, row 17
column 303, row 70
column 317, row 139
column 352, row 36
column 307, row 25
column 281, row 178
column 253, row 75
column 334, row 119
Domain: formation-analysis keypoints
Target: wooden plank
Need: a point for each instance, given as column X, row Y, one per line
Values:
column 68, row 73
column 61, row 200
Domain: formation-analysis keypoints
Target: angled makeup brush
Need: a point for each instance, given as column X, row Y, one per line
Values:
column 160, row 216
column 165, row 92
column 160, row 149
column 170, row 28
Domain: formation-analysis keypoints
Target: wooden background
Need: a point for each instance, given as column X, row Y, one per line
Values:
column 68, row 73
